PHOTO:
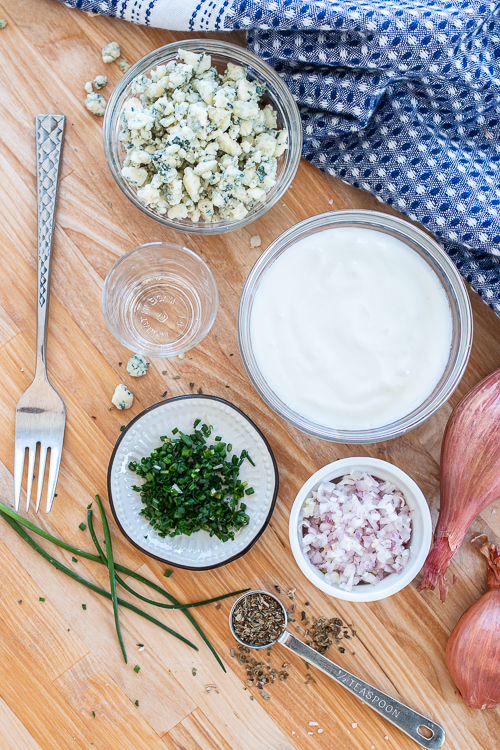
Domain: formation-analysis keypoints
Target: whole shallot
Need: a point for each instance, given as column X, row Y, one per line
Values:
column 473, row 651
column 470, row 474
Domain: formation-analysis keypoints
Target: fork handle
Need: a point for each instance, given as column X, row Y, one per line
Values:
column 49, row 137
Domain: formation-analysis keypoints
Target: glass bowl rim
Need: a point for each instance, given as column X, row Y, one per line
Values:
column 458, row 298
column 183, row 251
column 236, row 54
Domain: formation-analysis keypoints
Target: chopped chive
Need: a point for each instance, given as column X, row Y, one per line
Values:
column 82, row 526
column 191, row 485
column 84, row 606
column 74, row 559
column 168, row 573
column 41, row 598
column 250, row 491
column 89, row 506
column 141, row 645
column 93, row 714
column 136, row 668
column 122, row 428
column 137, row 704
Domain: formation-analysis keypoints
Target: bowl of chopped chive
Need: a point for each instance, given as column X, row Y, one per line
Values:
column 192, row 482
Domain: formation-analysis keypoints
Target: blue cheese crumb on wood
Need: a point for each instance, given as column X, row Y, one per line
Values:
column 96, row 104
column 198, row 145
column 111, row 52
column 137, row 366
column 100, row 82
column 122, row 397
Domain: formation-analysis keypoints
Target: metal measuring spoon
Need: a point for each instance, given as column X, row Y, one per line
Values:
column 403, row 717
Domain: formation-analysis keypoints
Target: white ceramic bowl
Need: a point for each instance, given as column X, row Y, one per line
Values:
column 421, row 535
column 142, row 435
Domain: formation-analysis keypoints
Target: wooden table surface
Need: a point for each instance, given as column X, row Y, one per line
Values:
column 63, row 682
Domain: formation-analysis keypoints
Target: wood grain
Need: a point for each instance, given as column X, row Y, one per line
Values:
column 63, row 683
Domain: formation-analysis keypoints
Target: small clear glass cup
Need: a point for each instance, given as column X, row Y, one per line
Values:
column 160, row 299
column 277, row 94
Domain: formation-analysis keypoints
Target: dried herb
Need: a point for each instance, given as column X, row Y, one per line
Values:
column 258, row 619
column 324, row 632
column 259, row 673
column 321, row 635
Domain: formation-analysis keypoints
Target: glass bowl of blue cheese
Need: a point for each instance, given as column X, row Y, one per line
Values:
column 202, row 136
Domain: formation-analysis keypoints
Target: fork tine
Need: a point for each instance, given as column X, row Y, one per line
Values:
column 55, row 461
column 41, row 473
column 18, row 474
column 31, row 467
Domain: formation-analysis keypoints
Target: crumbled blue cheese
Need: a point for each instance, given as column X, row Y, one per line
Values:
column 89, row 87
column 137, row 366
column 198, row 145
column 96, row 104
column 124, row 65
column 255, row 241
column 111, row 52
column 3, row 23
column 122, row 397
column 100, row 82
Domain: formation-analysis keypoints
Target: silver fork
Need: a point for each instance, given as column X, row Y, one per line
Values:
column 40, row 412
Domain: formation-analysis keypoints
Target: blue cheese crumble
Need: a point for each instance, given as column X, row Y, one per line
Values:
column 199, row 144
column 137, row 366
column 122, row 397
column 111, row 52
column 100, row 82
column 96, row 104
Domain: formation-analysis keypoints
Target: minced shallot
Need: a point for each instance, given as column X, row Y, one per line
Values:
column 356, row 530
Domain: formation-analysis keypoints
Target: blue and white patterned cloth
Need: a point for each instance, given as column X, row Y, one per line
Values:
column 400, row 98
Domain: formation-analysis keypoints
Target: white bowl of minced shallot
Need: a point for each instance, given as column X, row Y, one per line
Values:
column 360, row 529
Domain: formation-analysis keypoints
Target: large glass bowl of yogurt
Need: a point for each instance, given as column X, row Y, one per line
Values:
column 355, row 326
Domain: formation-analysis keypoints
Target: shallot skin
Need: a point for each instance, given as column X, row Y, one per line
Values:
column 473, row 650
column 470, row 475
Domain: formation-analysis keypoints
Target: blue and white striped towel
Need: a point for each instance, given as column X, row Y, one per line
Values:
column 399, row 98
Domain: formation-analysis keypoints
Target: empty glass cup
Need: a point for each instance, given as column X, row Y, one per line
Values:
column 160, row 299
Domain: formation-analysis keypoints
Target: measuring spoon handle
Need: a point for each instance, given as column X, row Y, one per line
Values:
column 403, row 717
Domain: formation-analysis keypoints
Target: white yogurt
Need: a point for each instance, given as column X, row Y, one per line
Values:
column 351, row 328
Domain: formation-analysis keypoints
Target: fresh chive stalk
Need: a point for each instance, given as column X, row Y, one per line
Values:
column 24, row 535
column 19, row 521
column 128, row 588
column 112, row 579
